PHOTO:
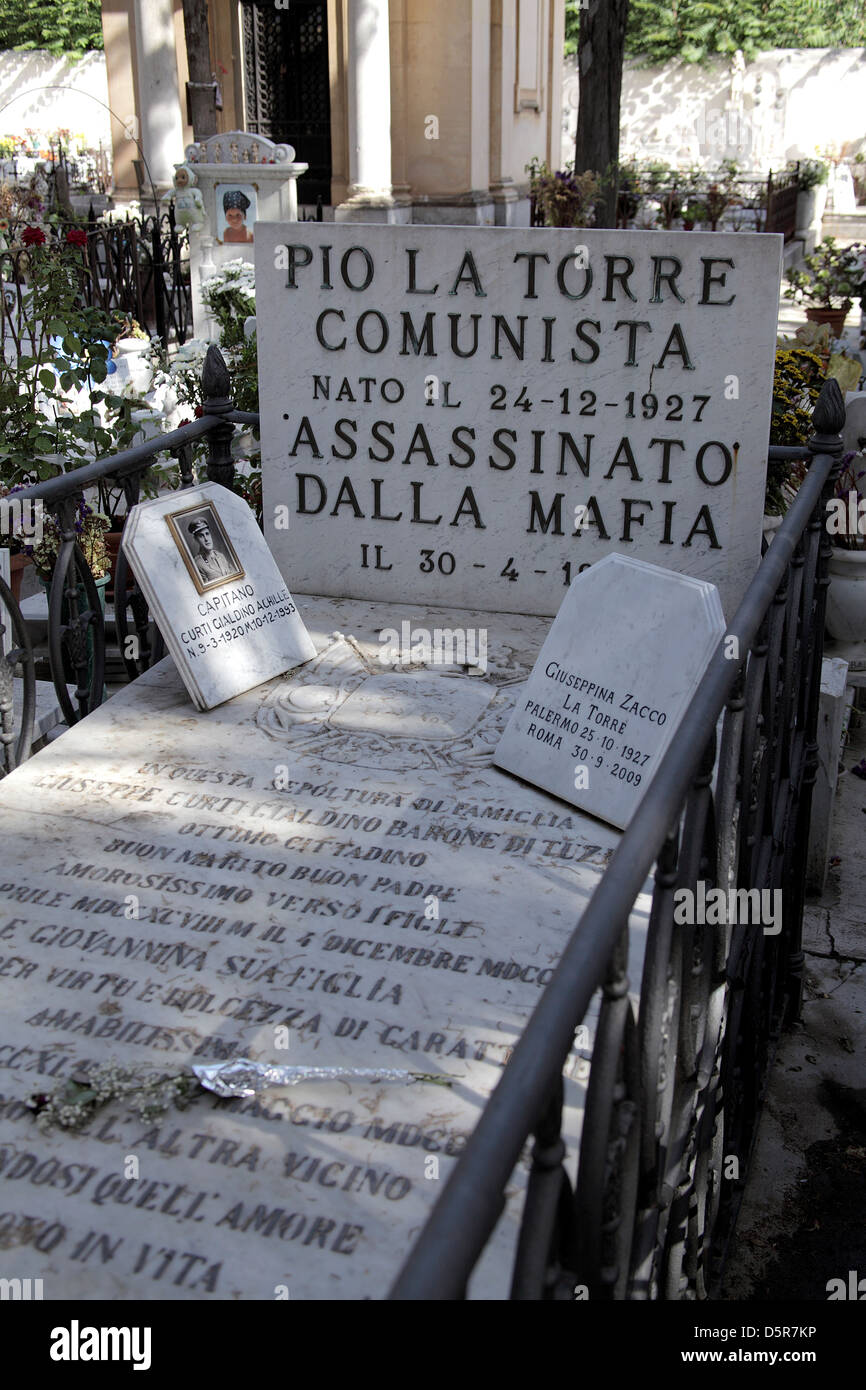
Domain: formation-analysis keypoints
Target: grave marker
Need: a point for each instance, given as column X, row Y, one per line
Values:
column 618, row 668
column 215, row 592
column 290, row 879
column 473, row 416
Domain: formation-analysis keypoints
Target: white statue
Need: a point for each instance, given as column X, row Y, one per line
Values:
column 189, row 208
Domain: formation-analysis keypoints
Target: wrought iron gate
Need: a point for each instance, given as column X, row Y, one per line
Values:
column 287, row 84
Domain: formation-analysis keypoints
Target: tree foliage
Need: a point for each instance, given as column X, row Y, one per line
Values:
column 65, row 26
column 697, row 30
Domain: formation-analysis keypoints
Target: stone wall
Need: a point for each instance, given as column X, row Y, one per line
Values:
column 789, row 103
column 46, row 110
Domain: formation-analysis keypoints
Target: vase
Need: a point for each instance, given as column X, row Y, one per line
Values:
column 846, row 595
column 817, row 313
column 132, row 362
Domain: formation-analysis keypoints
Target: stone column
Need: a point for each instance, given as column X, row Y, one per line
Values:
column 161, row 136
column 371, row 197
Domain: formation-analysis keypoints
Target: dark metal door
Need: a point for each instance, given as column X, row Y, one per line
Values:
column 288, row 97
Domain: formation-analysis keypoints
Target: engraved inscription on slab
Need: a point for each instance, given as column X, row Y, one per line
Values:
column 472, row 416
column 269, row 880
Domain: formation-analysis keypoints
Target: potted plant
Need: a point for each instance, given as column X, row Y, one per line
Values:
column 846, row 525
column 131, row 351
column 812, row 175
column 831, row 278
column 565, row 199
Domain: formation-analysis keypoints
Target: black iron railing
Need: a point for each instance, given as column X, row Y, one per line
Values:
column 676, row 1084
column 76, row 623
column 720, row 201
column 139, row 268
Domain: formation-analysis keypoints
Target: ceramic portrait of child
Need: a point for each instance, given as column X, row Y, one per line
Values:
column 235, row 212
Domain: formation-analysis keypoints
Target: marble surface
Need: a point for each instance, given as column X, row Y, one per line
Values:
column 470, row 416
column 296, row 862
column 217, row 596
column 619, row 666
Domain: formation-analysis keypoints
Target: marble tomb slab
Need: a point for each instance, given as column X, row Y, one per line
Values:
column 182, row 888
column 470, row 417
column 215, row 592
column 623, row 658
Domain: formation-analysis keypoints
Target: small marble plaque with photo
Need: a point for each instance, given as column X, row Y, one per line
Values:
column 215, row 592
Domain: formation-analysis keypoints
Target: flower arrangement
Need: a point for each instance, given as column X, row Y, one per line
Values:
column 565, row 199
column 90, row 529
column 832, row 278
column 230, row 298
column 76, row 1101
column 125, row 326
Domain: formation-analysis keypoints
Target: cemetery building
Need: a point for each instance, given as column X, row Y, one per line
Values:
column 404, row 111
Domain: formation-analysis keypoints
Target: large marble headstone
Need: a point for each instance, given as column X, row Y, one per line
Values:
column 618, row 668
column 211, row 583
column 474, row 415
column 291, row 878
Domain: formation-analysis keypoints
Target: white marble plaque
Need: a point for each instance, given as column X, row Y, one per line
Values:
column 618, row 668
column 472, row 416
column 211, row 583
column 289, row 866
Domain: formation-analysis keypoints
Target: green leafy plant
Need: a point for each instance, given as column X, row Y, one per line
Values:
column 831, row 277
column 695, row 211
column 812, row 172
column 49, row 394
column 71, row 26
column 695, row 31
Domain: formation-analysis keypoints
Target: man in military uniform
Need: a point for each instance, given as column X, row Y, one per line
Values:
column 210, row 563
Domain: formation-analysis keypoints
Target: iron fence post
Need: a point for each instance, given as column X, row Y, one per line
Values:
column 217, row 401
column 829, row 421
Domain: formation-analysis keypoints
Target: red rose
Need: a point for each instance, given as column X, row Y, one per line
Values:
column 76, row 236
column 198, row 412
column 33, row 236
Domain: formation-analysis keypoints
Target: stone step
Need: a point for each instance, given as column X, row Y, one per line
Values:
column 848, row 226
